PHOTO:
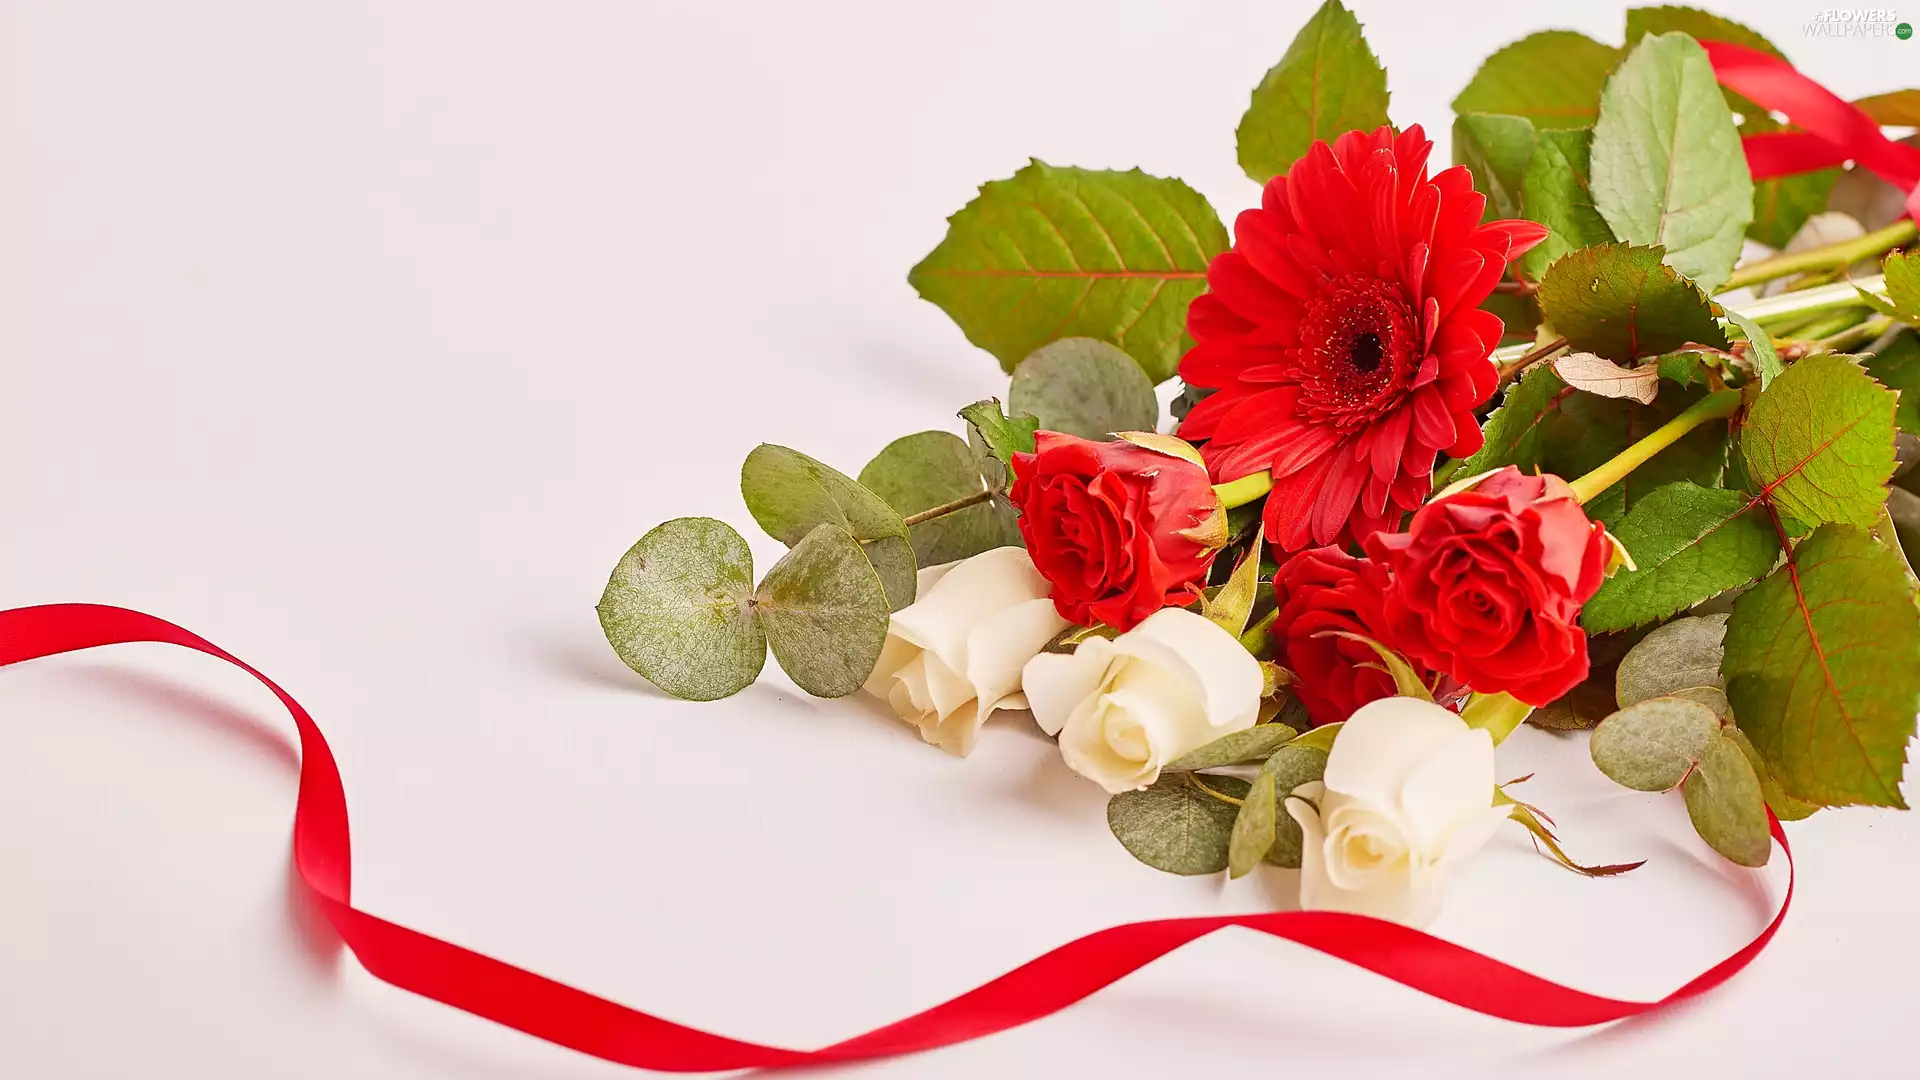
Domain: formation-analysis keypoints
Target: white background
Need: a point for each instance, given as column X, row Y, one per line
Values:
column 364, row 337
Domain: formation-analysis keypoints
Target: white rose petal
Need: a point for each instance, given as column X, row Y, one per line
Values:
column 955, row 655
column 1408, row 792
column 1124, row 708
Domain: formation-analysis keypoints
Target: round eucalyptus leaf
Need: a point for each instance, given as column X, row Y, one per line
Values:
column 1649, row 746
column 791, row 494
column 824, row 612
column 1684, row 653
column 1176, row 827
column 1252, row 835
column 1291, row 766
column 1084, row 387
column 677, row 610
column 932, row 468
column 1726, row 805
column 1253, row 744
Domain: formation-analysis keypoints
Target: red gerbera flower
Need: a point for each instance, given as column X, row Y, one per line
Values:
column 1345, row 336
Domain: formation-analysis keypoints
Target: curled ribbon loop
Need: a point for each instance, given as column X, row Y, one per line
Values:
column 1832, row 130
column 558, row 1013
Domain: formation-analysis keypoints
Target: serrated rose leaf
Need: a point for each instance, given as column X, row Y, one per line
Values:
column 1552, row 78
column 1084, row 387
column 1598, row 375
column 1496, row 149
column 1593, row 699
column 1689, row 544
column 1328, row 83
column 1651, row 745
column 1726, row 805
column 1063, row 252
column 1000, row 435
column 825, row 613
column 1680, row 656
column 1819, row 442
column 1668, row 168
column 1175, row 826
column 1902, row 270
column 1782, row 204
column 932, row 468
column 791, row 494
column 1256, row 743
column 1766, row 358
column 1624, row 302
column 676, row 610
column 1822, row 667
column 1897, row 367
column 1555, row 191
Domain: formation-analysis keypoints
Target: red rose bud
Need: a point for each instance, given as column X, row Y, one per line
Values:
column 1121, row 529
column 1325, row 593
column 1486, row 584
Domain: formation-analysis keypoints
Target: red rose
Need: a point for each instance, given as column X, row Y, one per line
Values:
column 1323, row 592
column 1487, row 585
column 1120, row 530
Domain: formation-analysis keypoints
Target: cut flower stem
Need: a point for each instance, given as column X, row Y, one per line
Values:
column 1715, row 406
column 1828, row 257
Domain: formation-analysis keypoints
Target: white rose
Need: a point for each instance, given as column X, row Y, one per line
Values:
column 1124, row 708
column 954, row 655
column 1408, row 792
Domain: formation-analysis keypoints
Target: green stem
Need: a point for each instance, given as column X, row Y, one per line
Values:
column 1772, row 311
column 1857, row 335
column 1715, row 406
column 1512, row 360
column 943, row 509
column 1827, row 257
column 1828, row 325
column 1196, row 782
column 1244, row 490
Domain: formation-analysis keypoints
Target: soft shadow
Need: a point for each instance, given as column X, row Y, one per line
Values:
column 313, row 937
column 583, row 661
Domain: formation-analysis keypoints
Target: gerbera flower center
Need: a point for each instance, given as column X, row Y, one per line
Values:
column 1359, row 349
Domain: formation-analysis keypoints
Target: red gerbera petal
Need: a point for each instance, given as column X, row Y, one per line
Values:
column 1347, row 344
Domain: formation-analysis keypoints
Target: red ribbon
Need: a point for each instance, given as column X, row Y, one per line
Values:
column 560, row 1014
column 1832, row 130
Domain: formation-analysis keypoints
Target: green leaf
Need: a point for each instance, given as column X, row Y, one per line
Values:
column 676, row 610
column 1823, row 668
column 1900, row 108
column 1253, row 826
column 1496, row 149
column 1231, row 606
column 1084, row 387
column 1766, row 359
column 1552, row 78
column 1256, row 743
column 1677, row 657
column 1902, row 269
column 1897, row 367
column 1690, row 543
column 1785, row 807
column 1003, row 435
column 1726, row 805
column 1623, row 303
column 1555, row 192
column 1175, row 826
column 1668, row 167
column 1783, row 204
column 791, row 494
column 1652, row 745
column 932, row 468
column 1290, row 766
column 1327, row 84
column 1516, row 431
column 1819, row 442
column 825, row 613
column 1064, row 252
column 1697, row 24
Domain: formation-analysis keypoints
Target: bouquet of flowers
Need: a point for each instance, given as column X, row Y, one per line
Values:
column 1522, row 440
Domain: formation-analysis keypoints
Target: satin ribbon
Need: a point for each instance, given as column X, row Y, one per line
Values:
column 549, row 1010
column 1832, row 130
